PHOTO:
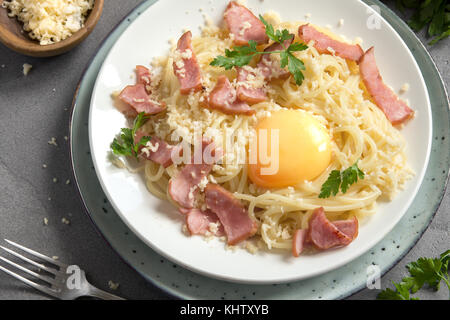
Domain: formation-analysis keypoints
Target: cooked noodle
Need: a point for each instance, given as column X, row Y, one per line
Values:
column 332, row 91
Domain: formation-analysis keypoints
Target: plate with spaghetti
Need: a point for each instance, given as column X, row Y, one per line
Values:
column 259, row 133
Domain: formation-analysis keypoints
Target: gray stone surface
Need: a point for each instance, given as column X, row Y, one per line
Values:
column 34, row 109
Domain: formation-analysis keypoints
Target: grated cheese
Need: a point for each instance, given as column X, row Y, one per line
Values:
column 26, row 68
column 246, row 25
column 203, row 183
column 112, row 285
column 404, row 88
column 50, row 21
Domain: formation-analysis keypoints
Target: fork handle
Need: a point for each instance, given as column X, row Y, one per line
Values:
column 97, row 293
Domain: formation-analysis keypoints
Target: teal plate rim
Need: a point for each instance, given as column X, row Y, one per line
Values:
column 336, row 284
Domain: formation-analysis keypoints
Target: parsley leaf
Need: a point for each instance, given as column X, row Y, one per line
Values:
column 350, row 176
column 242, row 55
column 342, row 180
column 434, row 13
column 269, row 29
column 424, row 271
column 297, row 46
column 429, row 271
column 125, row 145
column 295, row 67
column 331, row 186
column 390, row 294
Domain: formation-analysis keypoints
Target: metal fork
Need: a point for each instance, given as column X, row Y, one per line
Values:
column 69, row 281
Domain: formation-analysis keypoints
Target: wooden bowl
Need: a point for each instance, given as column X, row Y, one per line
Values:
column 14, row 37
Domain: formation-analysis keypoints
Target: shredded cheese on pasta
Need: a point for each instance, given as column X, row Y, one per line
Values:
column 332, row 91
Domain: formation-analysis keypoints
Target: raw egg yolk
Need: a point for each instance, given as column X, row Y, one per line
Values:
column 304, row 149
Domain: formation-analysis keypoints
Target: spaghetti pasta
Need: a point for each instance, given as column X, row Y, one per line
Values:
column 332, row 92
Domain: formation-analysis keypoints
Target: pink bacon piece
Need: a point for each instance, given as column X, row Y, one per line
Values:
column 322, row 43
column 396, row 110
column 244, row 25
column 186, row 67
column 224, row 99
column 266, row 68
column 143, row 76
column 323, row 234
column 199, row 222
column 298, row 242
column 232, row 214
column 269, row 68
column 164, row 153
column 245, row 91
column 348, row 227
column 137, row 97
column 184, row 187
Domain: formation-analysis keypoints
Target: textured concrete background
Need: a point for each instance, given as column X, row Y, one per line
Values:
column 34, row 109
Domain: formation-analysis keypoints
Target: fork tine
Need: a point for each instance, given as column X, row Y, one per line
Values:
column 37, row 254
column 31, row 283
column 49, row 280
column 34, row 263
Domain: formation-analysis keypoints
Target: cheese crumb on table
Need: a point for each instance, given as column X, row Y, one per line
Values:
column 26, row 68
column 52, row 141
column 65, row 221
column 112, row 285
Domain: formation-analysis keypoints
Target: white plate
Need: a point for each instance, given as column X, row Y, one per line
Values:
column 157, row 222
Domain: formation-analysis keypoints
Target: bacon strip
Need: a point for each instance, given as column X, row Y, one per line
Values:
column 143, row 76
column 272, row 69
column 186, row 67
column 164, row 152
column 323, row 234
column 396, row 110
column 223, row 98
column 298, row 242
column 123, row 107
column 232, row 214
column 198, row 222
column 322, row 42
column 183, row 188
column 266, row 68
column 348, row 227
column 243, row 25
column 137, row 97
column 245, row 91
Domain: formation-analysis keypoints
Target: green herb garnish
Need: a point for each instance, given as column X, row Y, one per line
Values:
column 125, row 144
column 434, row 13
column 340, row 180
column 423, row 271
column 242, row 55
